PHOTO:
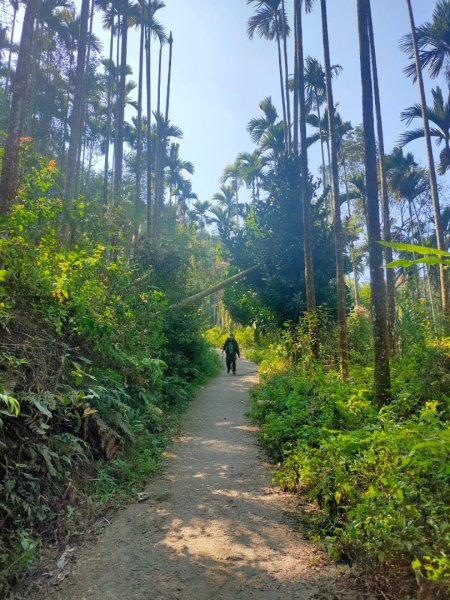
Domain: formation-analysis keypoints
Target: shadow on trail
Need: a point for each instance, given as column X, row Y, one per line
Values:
column 212, row 527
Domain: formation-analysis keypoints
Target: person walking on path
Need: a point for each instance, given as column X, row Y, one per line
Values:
column 231, row 349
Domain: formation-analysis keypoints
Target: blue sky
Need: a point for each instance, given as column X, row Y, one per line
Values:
column 219, row 76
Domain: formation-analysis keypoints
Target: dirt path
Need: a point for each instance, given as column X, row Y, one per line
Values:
column 212, row 528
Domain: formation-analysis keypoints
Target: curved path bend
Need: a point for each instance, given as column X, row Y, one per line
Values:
column 212, row 527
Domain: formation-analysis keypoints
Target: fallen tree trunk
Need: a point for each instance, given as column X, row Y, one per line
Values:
column 215, row 288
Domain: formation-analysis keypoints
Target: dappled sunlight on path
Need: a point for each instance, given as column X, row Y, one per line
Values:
column 212, row 528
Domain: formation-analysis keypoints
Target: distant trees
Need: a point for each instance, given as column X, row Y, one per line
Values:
column 270, row 22
column 77, row 110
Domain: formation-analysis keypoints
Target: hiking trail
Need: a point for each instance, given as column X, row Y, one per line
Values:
column 212, row 526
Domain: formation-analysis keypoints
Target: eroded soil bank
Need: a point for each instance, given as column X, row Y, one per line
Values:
column 212, row 526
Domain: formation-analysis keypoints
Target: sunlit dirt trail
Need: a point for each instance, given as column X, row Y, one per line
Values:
column 212, row 527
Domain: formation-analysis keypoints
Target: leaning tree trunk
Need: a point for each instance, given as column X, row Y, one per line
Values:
column 118, row 157
column 76, row 125
column 305, row 188
column 377, row 288
column 340, row 283
column 215, row 288
column 390, row 273
column 432, row 174
column 10, row 169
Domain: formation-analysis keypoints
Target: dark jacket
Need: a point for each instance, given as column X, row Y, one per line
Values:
column 231, row 348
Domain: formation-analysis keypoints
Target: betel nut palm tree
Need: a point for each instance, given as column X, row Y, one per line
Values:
column 439, row 116
column 433, row 43
column 147, row 23
column 77, row 107
column 305, row 189
column 377, row 286
column 20, row 83
column 443, row 277
column 153, row 30
column 270, row 23
column 389, row 273
column 174, row 165
column 340, row 283
column 316, row 95
column 111, row 13
column 120, row 118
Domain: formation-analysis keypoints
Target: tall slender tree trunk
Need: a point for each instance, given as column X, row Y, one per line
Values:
column 76, row 125
column 296, row 94
column 137, row 199
column 150, row 227
column 319, row 116
column 169, row 76
column 340, row 282
column 305, row 188
column 432, row 174
column 28, row 109
column 108, row 121
column 10, row 168
column 352, row 245
column 11, row 46
column 86, row 91
column 286, row 78
column 116, row 97
column 169, row 80
column 158, row 152
column 389, row 273
column 426, row 267
column 118, row 159
column 377, row 288
column 280, row 68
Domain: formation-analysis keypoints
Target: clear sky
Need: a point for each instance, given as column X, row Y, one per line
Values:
column 219, row 76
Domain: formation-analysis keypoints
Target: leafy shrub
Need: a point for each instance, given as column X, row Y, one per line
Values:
column 380, row 478
column 94, row 365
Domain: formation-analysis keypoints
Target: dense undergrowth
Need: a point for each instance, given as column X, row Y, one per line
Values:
column 380, row 478
column 94, row 365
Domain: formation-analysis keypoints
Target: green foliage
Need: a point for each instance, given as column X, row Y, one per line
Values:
column 95, row 367
column 360, row 335
column 380, row 478
column 438, row 257
column 272, row 238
